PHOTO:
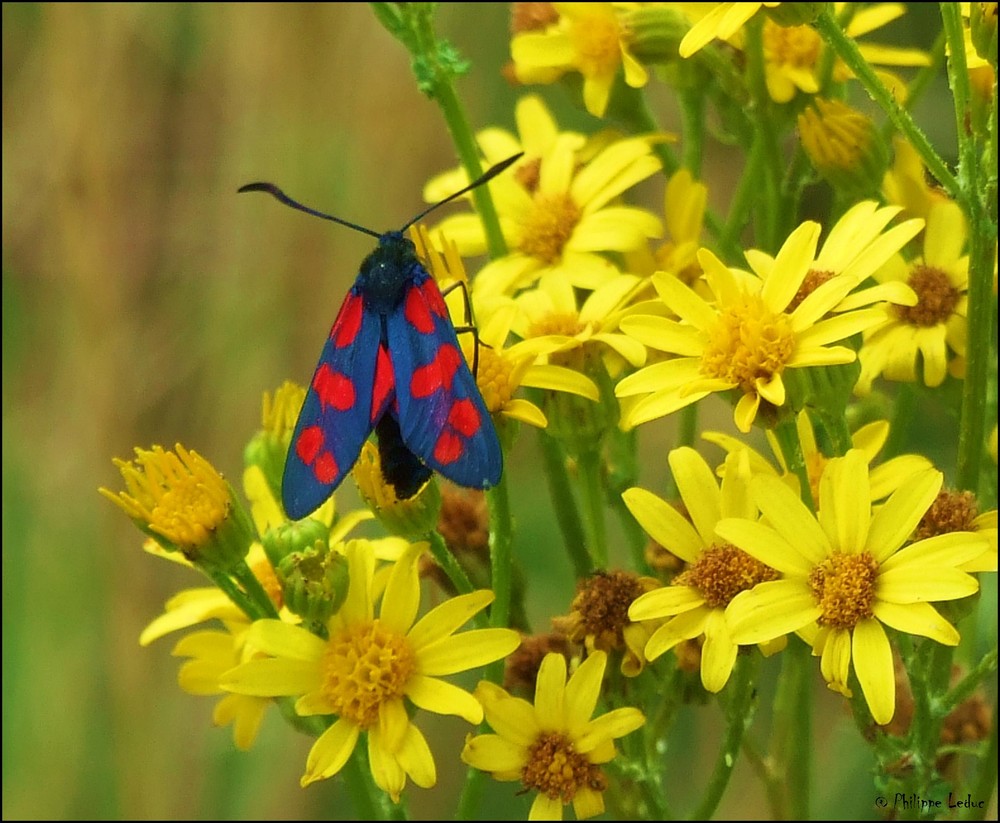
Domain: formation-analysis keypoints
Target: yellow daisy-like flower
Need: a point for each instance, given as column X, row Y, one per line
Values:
column 934, row 326
column 553, row 746
column 695, row 602
column 564, row 223
column 744, row 339
column 553, row 323
column 793, row 55
column 367, row 669
column 846, row 572
column 587, row 38
column 856, row 247
column 884, row 478
column 721, row 22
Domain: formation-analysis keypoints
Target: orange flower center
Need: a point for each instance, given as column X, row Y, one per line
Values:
column 749, row 343
column 812, row 281
column 937, row 298
column 722, row 572
column 844, row 585
column 549, row 226
column 554, row 768
column 365, row 666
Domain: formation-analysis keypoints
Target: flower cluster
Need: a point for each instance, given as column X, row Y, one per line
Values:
column 810, row 322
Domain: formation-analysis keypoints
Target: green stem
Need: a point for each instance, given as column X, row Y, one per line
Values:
column 435, row 66
column 563, row 504
column 739, row 716
column 768, row 205
column 979, row 204
column 589, row 462
column 847, row 50
column 449, row 565
column 986, row 779
column 791, row 447
column 791, row 739
column 369, row 801
column 641, row 121
column 501, row 564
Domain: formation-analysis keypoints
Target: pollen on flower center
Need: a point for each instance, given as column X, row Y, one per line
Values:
column 951, row 511
column 188, row 513
column 595, row 41
column 748, row 343
column 555, row 769
column 844, row 585
column 494, row 380
column 365, row 666
column 936, row 298
column 812, row 281
column 797, row 46
column 557, row 323
column 549, row 226
column 722, row 572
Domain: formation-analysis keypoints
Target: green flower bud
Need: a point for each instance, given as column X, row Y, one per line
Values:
column 314, row 582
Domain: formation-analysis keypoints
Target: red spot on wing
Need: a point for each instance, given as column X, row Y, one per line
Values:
column 385, row 382
column 348, row 322
column 309, row 443
column 333, row 388
column 325, row 468
column 448, row 448
column 464, row 417
column 422, row 302
column 432, row 294
column 437, row 374
column 417, row 313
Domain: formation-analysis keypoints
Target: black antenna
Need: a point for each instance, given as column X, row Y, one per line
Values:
column 279, row 195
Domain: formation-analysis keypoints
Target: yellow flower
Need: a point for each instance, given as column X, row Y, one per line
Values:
column 551, row 320
column 934, row 326
column 884, row 478
column 367, row 669
column 856, row 247
column 845, row 573
column 180, row 500
column 587, row 38
column 745, row 339
column 553, row 746
column 722, row 21
column 716, row 572
column 844, row 146
column 794, row 55
column 564, row 222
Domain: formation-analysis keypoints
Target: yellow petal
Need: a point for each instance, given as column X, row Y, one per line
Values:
column 663, row 523
column 916, row 618
column 769, row 610
column 441, row 697
column 873, row 666
column 467, row 650
column 330, row 752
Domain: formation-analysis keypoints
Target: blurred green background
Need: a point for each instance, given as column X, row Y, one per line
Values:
column 145, row 303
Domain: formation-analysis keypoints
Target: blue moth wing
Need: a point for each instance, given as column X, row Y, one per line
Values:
column 442, row 417
column 337, row 415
